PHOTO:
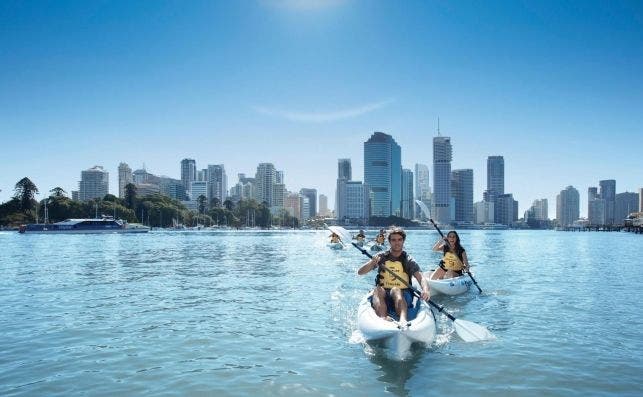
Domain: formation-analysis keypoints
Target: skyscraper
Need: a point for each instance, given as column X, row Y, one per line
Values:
column 353, row 203
column 422, row 190
column 344, row 174
column 94, row 183
column 625, row 204
column 312, row 201
column 441, row 200
column 495, row 175
column 217, row 183
column 323, row 205
column 608, row 193
column 567, row 206
column 407, row 194
column 264, row 179
column 462, row 192
column 344, row 169
column 188, row 173
column 383, row 174
column 124, row 177
column 506, row 209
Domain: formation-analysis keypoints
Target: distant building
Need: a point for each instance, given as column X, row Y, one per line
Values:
column 567, row 206
column 408, row 203
column 312, row 201
column 596, row 212
column 441, row 199
column 323, row 205
column 506, row 211
column 422, row 190
column 608, row 193
column 483, row 212
column 188, row 173
column 172, row 188
column 344, row 169
column 495, row 180
column 354, row 198
column 94, row 183
column 462, row 192
column 541, row 209
column 625, row 204
column 124, row 178
column 383, row 174
column 264, row 179
column 198, row 188
column 217, row 183
column 641, row 199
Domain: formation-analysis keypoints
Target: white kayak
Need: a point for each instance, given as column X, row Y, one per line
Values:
column 448, row 286
column 398, row 338
column 377, row 247
column 335, row 246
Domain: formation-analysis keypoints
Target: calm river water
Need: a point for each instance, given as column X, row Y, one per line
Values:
column 271, row 313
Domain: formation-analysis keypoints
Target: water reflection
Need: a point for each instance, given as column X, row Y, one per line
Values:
column 394, row 374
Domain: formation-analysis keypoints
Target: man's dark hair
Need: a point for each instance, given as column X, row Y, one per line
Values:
column 397, row 230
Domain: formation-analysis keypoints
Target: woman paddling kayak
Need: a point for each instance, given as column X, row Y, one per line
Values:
column 454, row 260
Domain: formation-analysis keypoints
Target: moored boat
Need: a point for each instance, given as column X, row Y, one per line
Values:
column 398, row 337
column 84, row 226
column 448, row 286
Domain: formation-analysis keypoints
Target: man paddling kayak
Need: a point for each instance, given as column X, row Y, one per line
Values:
column 390, row 291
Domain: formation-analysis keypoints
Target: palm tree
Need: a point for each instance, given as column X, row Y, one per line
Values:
column 228, row 204
column 25, row 191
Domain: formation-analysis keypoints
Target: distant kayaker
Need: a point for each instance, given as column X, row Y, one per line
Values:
column 360, row 236
column 334, row 238
column 380, row 237
column 454, row 259
column 390, row 291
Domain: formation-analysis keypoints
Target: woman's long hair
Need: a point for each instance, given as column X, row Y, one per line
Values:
column 458, row 248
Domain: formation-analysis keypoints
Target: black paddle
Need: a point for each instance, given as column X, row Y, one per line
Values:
column 468, row 272
column 467, row 330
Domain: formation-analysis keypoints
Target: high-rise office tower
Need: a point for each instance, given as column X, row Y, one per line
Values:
column 188, row 172
column 94, row 183
column 422, row 190
column 323, row 205
column 625, row 204
column 441, row 199
column 124, row 178
column 383, row 174
column 217, row 183
column 407, row 194
column 312, row 201
column 264, row 179
column 495, row 175
column 344, row 174
column 506, row 209
column 567, row 206
column 608, row 193
column 344, row 169
column 462, row 192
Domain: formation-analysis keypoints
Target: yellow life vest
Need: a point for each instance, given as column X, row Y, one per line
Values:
column 387, row 280
column 452, row 262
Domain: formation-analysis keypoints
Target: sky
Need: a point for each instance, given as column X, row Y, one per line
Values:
column 554, row 87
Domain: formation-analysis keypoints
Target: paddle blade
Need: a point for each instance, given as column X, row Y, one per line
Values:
column 472, row 332
column 342, row 233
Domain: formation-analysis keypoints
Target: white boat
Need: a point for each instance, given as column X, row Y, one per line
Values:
column 398, row 338
column 448, row 286
column 335, row 246
column 85, row 226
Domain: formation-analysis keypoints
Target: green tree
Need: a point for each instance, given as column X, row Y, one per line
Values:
column 25, row 191
column 58, row 192
column 228, row 204
column 130, row 196
column 201, row 202
column 215, row 202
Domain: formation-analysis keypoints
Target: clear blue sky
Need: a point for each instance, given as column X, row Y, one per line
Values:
column 556, row 88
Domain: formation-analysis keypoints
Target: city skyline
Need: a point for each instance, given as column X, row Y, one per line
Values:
column 552, row 88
